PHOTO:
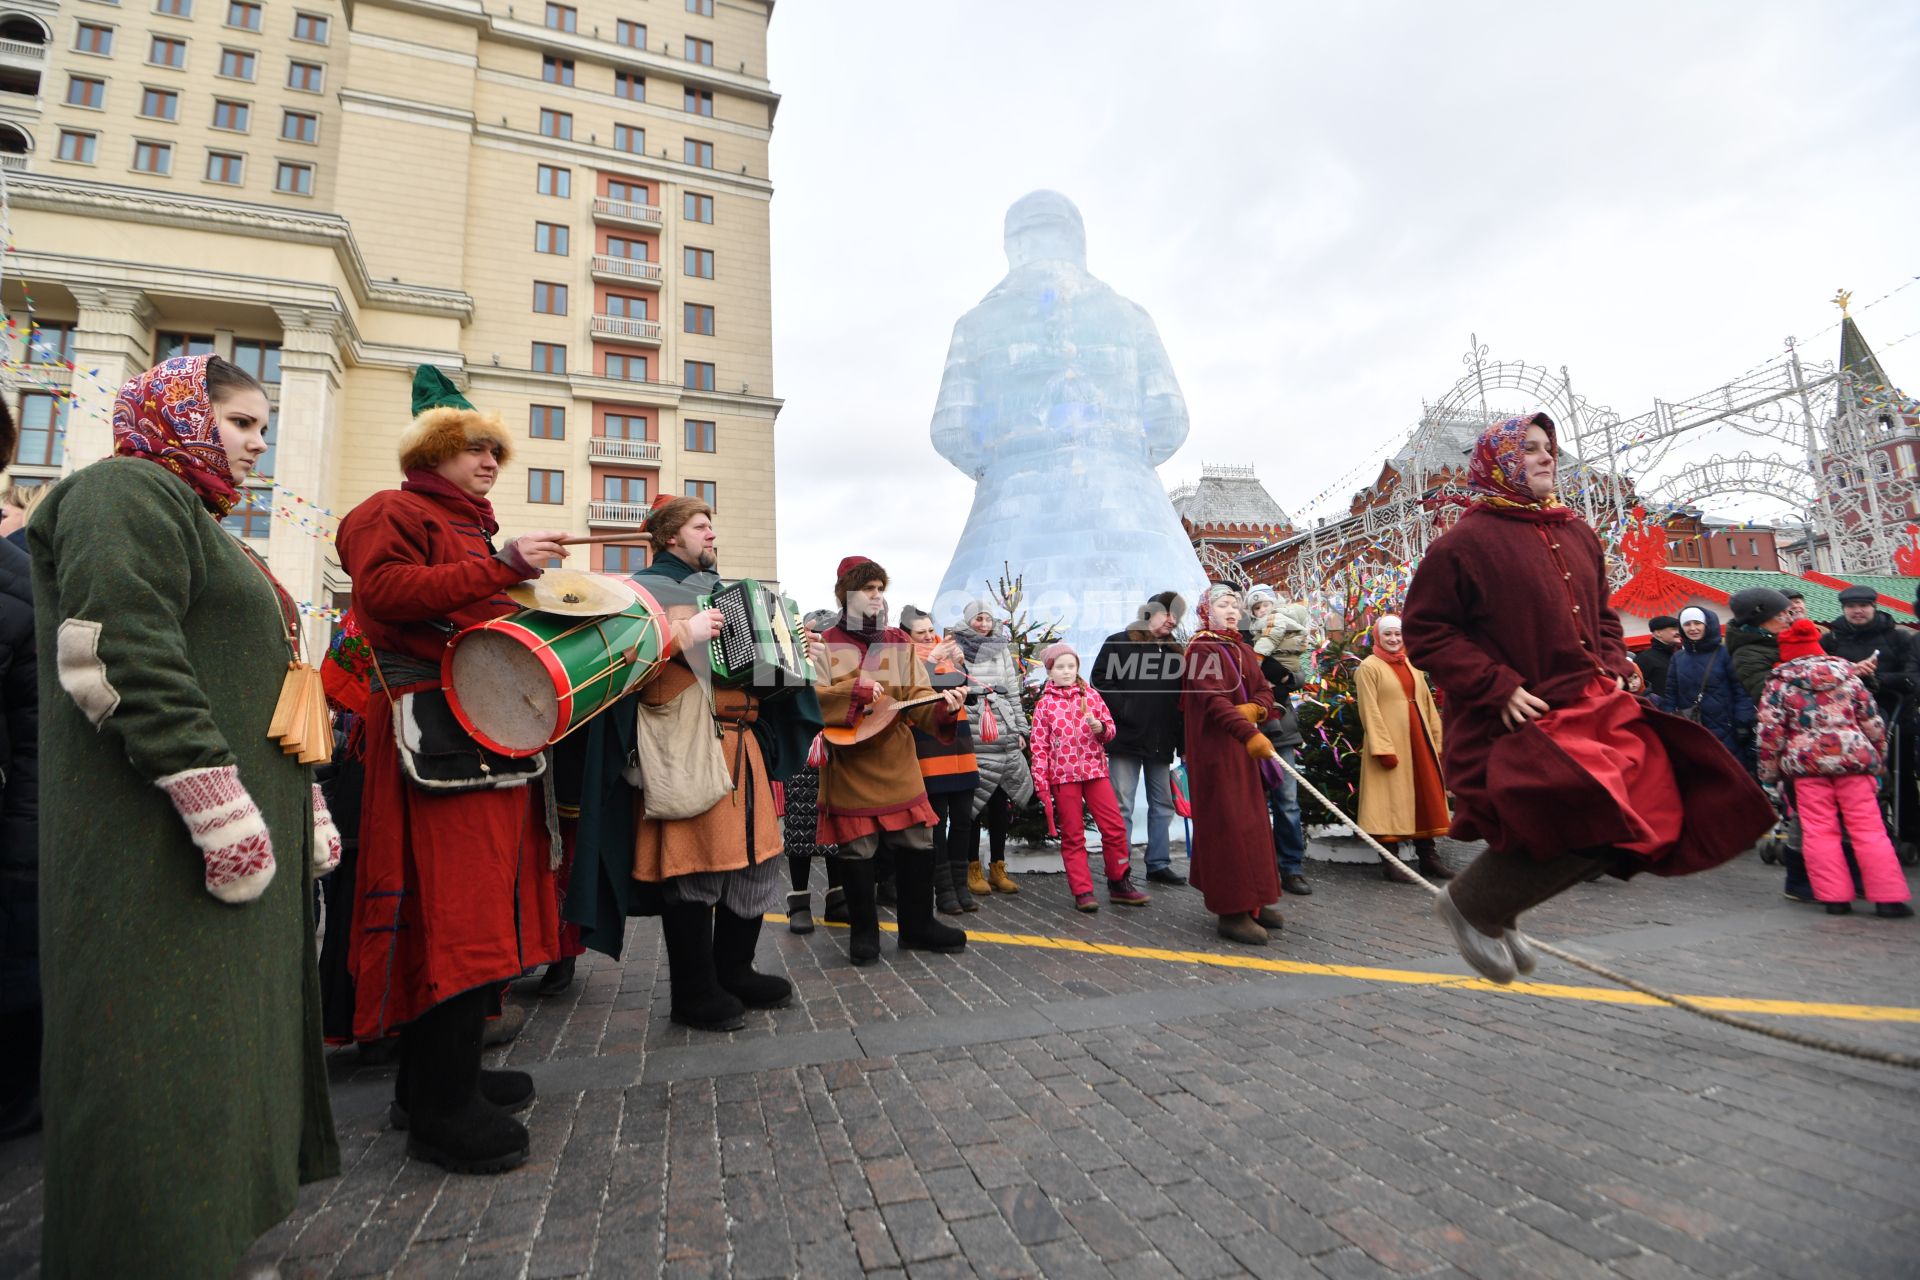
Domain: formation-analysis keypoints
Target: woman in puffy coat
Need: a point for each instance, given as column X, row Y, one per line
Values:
column 1006, row 783
column 1702, row 686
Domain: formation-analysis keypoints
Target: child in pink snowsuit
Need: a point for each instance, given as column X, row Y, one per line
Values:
column 1071, row 724
column 1820, row 729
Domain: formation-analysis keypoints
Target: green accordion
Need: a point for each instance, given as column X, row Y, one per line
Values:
column 760, row 644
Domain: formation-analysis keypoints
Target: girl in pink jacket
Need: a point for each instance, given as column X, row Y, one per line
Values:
column 1071, row 725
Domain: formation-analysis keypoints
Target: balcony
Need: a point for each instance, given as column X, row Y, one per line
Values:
column 626, row 270
column 626, row 213
column 612, row 449
column 622, row 329
column 618, row 514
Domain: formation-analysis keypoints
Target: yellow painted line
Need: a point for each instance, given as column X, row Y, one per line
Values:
column 1422, row 977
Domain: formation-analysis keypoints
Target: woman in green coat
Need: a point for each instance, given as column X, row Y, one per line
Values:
column 185, row 1096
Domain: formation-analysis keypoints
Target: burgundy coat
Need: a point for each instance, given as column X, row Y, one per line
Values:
column 1233, row 864
column 1500, row 602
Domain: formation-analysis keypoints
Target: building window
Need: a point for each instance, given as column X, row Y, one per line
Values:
column 236, row 64
column 696, row 208
column 43, row 429
column 243, row 14
column 261, row 359
column 619, row 557
column 630, row 84
column 700, row 436
column 165, row 51
column 627, row 368
column 699, row 376
column 168, row 346
column 234, row 117
column 174, row 8
column 248, row 521
column 700, row 51
column 626, row 306
column 631, row 34
column 225, row 168
column 549, row 299
column 91, row 37
column 698, row 153
column 702, row 7
column 310, row 28
column 546, row 486
column 50, row 344
column 556, row 70
column 293, row 179
column 632, row 489
column 556, row 124
column 159, row 104
column 300, row 126
column 550, row 237
column 629, row 137
column 699, row 319
column 153, row 157
column 85, row 91
column 631, row 250
column 626, row 426
column 548, row 422
column 699, row 102
column 562, row 17
column 549, row 181
column 698, row 262
column 630, row 192
column 549, row 357
column 705, row 490
column 306, row 77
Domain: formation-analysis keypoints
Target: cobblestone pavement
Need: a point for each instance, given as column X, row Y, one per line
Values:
column 1029, row 1110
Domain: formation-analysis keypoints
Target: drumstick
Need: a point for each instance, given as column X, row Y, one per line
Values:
column 635, row 536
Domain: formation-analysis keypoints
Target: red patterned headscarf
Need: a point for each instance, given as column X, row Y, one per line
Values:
column 1497, row 474
column 164, row 415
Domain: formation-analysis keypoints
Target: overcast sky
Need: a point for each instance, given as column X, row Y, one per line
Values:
column 1318, row 204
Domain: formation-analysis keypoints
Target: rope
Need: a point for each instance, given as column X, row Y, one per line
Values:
column 1865, row 1053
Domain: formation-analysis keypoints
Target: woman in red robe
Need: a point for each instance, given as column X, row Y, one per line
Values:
column 455, row 891
column 1564, row 774
column 1223, row 700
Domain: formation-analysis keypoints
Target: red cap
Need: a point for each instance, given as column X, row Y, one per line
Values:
column 851, row 563
column 660, row 501
column 1801, row 640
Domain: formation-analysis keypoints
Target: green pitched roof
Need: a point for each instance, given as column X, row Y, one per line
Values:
column 1887, row 584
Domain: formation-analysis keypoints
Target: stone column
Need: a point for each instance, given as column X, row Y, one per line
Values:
column 114, row 340
column 308, row 432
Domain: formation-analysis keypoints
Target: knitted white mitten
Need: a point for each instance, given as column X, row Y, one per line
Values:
column 326, row 836
column 227, row 829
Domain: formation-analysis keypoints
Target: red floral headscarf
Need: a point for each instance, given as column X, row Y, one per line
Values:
column 1204, row 609
column 1497, row 475
column 164, row 415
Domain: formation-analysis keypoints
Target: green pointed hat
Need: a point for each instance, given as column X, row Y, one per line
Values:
column 432, row 389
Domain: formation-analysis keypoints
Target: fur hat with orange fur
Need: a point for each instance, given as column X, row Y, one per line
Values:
column 445, row 423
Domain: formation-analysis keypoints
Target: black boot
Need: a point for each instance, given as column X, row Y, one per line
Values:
column 959, row 867
column 734, row 941
column 1430, row 863
column 800, row 911
column 836, row 908
column 452, row 1125
column 511, row 1091
column 698, row 1000
column 856, row 878
column 557, row 978
column 919, row 931
column 945, row 901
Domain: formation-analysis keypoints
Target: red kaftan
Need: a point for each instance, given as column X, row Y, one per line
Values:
column 1233, row 861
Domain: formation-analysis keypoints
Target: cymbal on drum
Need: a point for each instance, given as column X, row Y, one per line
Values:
column 572, row 591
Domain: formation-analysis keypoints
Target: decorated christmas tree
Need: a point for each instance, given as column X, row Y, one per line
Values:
column 1330, row 725
column 1029, row 638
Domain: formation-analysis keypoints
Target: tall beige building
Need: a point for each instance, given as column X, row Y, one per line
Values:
column 564, row 206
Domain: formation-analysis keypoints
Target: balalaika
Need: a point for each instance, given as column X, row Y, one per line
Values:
column 761, row 644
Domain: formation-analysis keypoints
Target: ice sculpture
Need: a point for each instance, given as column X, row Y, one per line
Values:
column 1059, row 401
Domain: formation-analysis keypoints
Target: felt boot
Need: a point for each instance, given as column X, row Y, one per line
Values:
column 945, row 900
column 863, row 914
column 451, row 1124
column 836, row 909
column 800, row 911
column 919, row 931
column 965, row 872
column 735, row 939
column 698, row 1000
column 1242, row 928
